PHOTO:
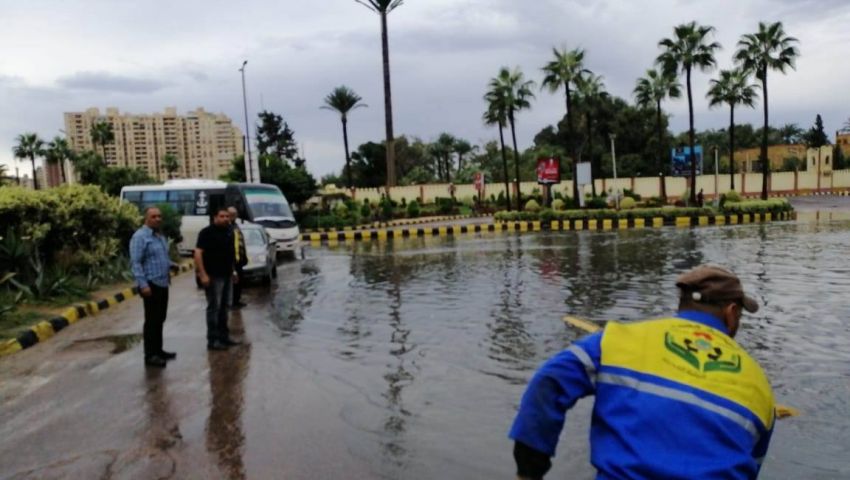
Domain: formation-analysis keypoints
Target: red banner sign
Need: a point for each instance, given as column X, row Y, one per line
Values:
column 548, row 170
column 478, row 181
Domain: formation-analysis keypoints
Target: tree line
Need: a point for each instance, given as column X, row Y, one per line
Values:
column 690, row 48
column 89, row 165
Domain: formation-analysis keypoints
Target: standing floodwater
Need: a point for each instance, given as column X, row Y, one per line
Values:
column 428, row 343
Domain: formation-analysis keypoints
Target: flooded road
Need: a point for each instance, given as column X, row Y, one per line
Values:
column 407, row 359
column 435, row 339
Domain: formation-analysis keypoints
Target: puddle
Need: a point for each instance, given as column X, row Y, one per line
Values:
column 120, row 343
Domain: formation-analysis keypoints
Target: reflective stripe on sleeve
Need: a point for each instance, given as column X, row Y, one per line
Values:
column 584, row 358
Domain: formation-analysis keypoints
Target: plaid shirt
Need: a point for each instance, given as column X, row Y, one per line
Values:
column 149, row 258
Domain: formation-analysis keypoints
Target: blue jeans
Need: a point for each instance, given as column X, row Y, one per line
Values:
column 218, row 299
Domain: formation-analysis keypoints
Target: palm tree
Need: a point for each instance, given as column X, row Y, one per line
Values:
column 58, row 152
column 29, row 146
column 102, row 134
column 461, row 148
column 514, row 91
column 564, row 70
column 791, row 133
column 496, row 115
column 383, row 8
column 443, row 148
column 650, row 91
column 343, row 100
column 732, row 88
column 688, row 49
column 171, row 164
column 591, row 89
column 768, row 49
column 4, row 175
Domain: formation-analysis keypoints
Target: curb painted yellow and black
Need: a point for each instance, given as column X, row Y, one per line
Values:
column 48, row 328
column 397, row 223
column 555, row 225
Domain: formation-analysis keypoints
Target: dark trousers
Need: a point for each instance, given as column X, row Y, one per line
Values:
column 237, row 287
column 156, row 308
column 218, row 299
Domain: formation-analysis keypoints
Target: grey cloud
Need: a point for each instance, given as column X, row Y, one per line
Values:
column 107, row 82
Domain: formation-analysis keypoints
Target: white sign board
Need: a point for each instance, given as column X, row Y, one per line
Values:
column 583, row 173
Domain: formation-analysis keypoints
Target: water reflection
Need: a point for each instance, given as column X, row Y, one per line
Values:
column 225, row 437
column 163, row 430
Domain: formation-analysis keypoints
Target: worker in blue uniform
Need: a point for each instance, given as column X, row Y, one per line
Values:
column 676, row 398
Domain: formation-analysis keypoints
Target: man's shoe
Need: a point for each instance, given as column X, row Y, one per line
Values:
column 231, row 343
column 239, row 305
column 216, row 346
column 168, row 355
column 155, row 361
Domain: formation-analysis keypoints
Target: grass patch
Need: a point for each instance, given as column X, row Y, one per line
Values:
column 15, row 322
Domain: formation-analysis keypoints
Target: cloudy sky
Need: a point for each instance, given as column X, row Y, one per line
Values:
column 62, row 55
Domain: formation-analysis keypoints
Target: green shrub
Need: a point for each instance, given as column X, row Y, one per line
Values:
column 733, row 196
column 445, row 206
column 365, row 210
column 773, row 205
column 387, row 209
column 171, row 222
column 532, row 206
column 413, row 209
column 558, row 204
column 631, row 194
column 628, row 203
column 654, row 202
column 596, row 202
column 78, row 222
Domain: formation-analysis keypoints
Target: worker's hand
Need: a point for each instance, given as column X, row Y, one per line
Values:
column 145, row 292
column 205, row 279
column 235, row 278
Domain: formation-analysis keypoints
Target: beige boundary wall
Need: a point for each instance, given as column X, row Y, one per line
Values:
column 781, row 183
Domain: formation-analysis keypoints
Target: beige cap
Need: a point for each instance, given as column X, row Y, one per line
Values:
column 712, row 284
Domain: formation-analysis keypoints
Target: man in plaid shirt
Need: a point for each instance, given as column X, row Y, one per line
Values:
column 150, row 265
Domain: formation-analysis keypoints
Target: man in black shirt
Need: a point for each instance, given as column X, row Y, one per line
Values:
column 215, row 262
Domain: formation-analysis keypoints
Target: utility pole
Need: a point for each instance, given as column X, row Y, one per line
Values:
column 249, row 163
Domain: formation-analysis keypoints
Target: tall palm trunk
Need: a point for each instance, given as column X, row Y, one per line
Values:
column 765, row 166
column 388, row 104
column 62, row 171
column 505, row 165
column 439, row 167
column 347, row 155
column 571, row 142
column 732, row 145
column 448, row 168
column 594, row 168
column 661, row 163
column 693, row 197
column 516, row 161
column 34, row 176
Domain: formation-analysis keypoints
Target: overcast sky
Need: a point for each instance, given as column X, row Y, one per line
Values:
column 59, row 55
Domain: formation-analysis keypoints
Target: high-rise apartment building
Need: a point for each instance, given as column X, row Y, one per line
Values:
column 203, row 143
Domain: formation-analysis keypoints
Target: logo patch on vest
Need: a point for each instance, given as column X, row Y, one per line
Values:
column 702, row 349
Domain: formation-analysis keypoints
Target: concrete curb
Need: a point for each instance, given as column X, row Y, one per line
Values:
column 46, row 329
column 555, row 225
column 396, row 223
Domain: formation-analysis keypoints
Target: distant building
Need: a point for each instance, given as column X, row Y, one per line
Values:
column 748, row 159
column 842, row 139
column 203, row 143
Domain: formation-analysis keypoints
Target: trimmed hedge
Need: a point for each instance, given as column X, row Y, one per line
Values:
column 774, row 206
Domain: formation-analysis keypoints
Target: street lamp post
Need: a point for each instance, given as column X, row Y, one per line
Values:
column 249, row 163
column 613, row 136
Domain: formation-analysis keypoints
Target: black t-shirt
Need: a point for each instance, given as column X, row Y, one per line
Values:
column 219, row 252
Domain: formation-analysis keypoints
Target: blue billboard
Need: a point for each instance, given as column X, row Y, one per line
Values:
column 680, row 165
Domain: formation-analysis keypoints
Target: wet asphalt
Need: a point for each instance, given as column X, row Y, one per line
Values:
column 83, row 405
